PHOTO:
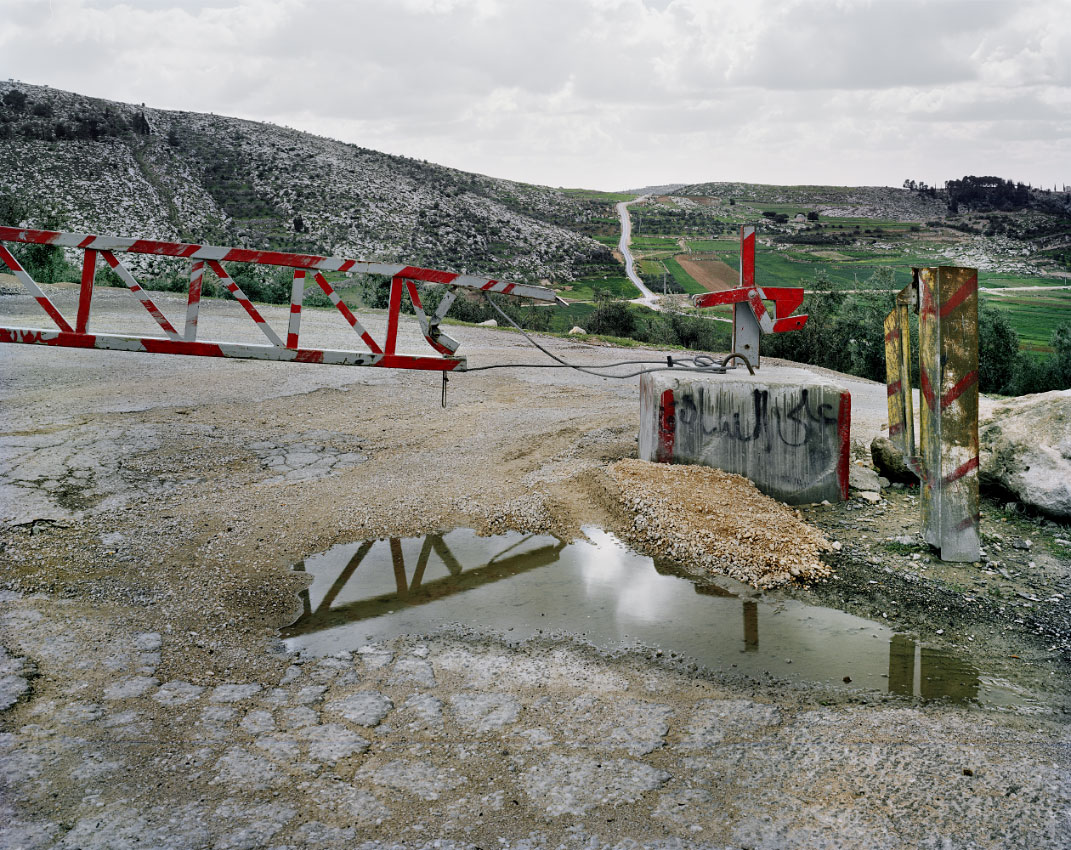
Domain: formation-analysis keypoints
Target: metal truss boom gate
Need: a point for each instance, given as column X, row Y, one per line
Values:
column 305, row 266
column 750, row 317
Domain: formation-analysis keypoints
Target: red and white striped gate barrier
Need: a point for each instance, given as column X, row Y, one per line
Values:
column 403, row 280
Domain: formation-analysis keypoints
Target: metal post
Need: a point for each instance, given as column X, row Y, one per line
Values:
column 746, row 330
column 85, row 296
column 898, row 372
column 948, row 379
column 193, row 304
column 297, row 293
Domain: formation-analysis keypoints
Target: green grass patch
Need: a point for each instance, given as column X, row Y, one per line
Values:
column 650, row 269
column 1034, row 315
column 564, row 319
column 654, row 243
column 706, row 244
column 783, row 268
column 584, row 289
column 594, row 195
column 996, row 280
column 686, row 282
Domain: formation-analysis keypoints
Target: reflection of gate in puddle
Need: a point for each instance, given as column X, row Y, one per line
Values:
column 414, row 591
column 916, row 670
column 606, row 594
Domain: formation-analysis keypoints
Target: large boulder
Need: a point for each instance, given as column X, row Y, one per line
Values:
column 1026, row 449
column 890, row 461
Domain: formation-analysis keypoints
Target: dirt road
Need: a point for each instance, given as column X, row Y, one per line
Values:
column 647, row 298
column 152, row 507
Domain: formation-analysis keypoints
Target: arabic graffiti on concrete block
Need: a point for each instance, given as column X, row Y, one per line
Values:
column 790, row 420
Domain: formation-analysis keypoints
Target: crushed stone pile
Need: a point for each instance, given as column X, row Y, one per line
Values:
column 719, row 523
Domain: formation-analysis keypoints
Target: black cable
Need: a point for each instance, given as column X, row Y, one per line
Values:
column 703, row 363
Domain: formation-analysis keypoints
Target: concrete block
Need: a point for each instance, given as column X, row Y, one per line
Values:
column 790, row 438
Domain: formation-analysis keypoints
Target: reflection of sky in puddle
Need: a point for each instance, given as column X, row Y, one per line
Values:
column 518, row 587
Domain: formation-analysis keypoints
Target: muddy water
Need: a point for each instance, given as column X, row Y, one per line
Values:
column 521, row 586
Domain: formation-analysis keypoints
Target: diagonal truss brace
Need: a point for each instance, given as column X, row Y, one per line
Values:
column 403, row 280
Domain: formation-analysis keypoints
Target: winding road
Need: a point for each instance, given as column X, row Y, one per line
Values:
column 647, row 298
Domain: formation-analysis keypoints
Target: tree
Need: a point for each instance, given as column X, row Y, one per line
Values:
column 46, row 263
column 858, row 342
column 13, row 210
column 812, row 342
column 612, row 318
column 998, row 350
column 15, row 100
column 1061, row 355
column 141, row 124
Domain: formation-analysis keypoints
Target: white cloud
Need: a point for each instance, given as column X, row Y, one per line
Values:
column 604, row 93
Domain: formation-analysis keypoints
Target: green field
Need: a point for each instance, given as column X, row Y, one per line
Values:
column 584, row 289
column 1034, row 315
column 848, row 260
column 705, row 244
column 683, row 279
column 593, row 195
column 784, row 268
column 647, row 244
column 565, row 318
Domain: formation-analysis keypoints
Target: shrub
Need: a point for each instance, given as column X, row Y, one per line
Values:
column 612, row 318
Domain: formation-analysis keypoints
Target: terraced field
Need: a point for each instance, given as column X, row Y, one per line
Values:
column 853, row 247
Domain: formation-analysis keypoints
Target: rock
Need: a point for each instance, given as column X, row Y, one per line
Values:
column 576, row 330
column 367, row 708
column 890, row 462
column 871, row 496
column 1026, row 450
column 863, row 478
column 490, row 323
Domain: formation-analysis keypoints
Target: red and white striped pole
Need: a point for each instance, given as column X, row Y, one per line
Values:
column 193, row 304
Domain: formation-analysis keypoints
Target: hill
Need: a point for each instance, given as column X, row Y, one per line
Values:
column 101, row 166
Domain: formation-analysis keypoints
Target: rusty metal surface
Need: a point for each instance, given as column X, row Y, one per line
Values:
column 898, row 373
column 947, row 453
column 948, row 412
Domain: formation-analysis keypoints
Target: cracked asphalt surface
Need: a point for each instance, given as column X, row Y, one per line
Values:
column 151, row 510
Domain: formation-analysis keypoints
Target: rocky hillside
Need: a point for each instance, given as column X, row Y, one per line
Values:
column 879, row 202
column 102, row 166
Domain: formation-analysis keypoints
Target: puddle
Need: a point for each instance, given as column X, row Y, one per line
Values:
column 519, row 586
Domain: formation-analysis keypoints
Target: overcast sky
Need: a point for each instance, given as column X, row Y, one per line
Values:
column 606, row 94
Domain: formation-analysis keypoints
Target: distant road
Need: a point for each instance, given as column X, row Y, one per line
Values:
column 647, row 297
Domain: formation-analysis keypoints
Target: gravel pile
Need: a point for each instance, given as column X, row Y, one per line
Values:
column 718, row 522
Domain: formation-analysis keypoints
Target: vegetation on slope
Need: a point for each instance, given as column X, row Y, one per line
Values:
column 116, row 168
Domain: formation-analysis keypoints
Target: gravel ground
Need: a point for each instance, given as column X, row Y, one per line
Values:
column 152, row 506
